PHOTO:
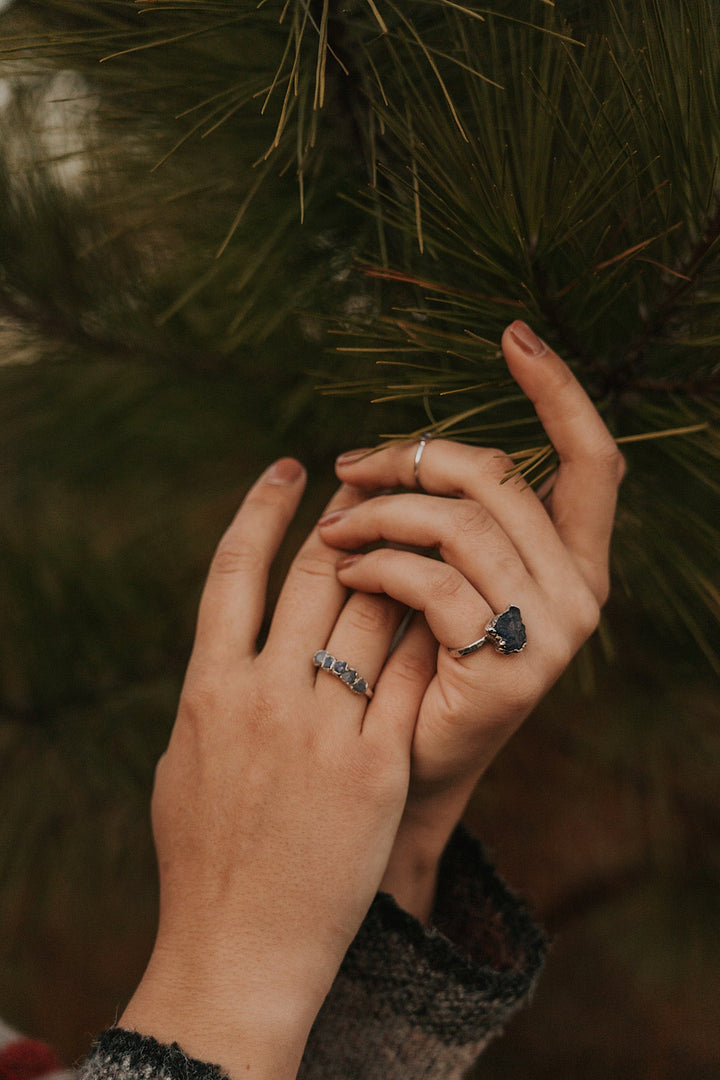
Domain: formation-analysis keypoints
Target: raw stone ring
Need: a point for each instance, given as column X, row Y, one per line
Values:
column 346, row 674
column 506, row 631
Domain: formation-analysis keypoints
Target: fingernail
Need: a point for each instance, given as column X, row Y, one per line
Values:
column 347, row 560
column 285, row 471
column 529, row 342
column 352, row 455
column 332, row 517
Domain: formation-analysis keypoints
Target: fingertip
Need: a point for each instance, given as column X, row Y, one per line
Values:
column 519, row 337
column 284, row 472
column 349, row 457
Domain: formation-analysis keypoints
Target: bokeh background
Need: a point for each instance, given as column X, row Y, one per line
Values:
column 171, row 322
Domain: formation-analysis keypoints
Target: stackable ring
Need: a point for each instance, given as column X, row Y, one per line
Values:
column 346, row 674
column 424, row 440
column 506, row 631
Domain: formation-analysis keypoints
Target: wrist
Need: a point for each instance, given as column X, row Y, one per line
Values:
column 428, row 822
column 250, row 1027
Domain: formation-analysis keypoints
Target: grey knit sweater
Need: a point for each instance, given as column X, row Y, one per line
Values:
column 409, row 1002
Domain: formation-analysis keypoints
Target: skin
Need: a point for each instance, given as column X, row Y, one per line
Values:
column 284, row 800
column 278, row 799
column 500, row 545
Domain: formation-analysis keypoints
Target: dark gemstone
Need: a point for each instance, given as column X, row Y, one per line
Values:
column 509, row 631
column 349, row 676
column 319, row 657
column 339, row 666
column 328, row 662
column 359, row 687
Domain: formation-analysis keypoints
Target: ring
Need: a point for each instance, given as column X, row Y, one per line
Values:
column 424, row 440
column 506, row 631
column 346, row 674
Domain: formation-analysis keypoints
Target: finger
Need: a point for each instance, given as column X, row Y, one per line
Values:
column 464, row 532
column 360, row 640
column 233, row 600
column 311, row 597
column 591, row 466
column 453, row 609
column 390, row 718
column 480, row 475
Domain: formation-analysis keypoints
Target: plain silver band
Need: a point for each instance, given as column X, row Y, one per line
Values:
column 424, row 440
column 467, row 650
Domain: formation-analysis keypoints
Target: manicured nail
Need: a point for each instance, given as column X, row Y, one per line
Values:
column 529, row 342
column 352, row 455
column 285, row 471
column 332, row 517
column 347, row 560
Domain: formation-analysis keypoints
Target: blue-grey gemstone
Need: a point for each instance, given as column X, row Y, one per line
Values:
column 339, row 666
column 359, row 687
column 349, row 676
column 319, row 657
column 328, row 662
column 509, row 631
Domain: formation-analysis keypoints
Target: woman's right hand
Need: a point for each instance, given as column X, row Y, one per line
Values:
column 500, row 546
column 278, row 799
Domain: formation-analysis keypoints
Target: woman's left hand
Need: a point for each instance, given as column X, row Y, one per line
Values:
column 500, row 546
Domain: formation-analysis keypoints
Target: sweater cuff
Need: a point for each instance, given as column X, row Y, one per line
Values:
column 461, row 977
column 126, row 1055
column 420, row 1002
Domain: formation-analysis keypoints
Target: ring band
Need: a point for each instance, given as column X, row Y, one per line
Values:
column 467, row 650
column 506, row 631
column 424, row 440
column 346, row 674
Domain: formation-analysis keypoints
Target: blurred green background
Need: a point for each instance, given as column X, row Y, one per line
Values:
column 144, row 382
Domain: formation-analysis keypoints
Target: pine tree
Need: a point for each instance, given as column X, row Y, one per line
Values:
column 225, row 227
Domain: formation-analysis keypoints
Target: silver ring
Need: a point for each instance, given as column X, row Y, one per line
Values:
column 424, row 440
column 346, row 674
column 506, row 631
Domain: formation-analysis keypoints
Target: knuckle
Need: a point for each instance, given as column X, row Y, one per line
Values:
column 370, row 614
column 470, row 518
column 588, row 607
column 609, row 461
column 446, row 583
column 236, row 558
column 315, row 564
column 198, row 701
column 497, row 464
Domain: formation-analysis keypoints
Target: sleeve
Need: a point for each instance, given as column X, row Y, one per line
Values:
column 125, row 1055
column 421, row 1003
column 409, row 1002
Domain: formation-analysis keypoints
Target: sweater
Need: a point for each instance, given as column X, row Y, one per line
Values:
column 410, row 1002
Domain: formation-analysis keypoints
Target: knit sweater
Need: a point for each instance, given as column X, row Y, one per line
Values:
column 409, row 1003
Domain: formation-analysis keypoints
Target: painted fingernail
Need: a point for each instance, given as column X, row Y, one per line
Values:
column 524, row 337
column 332, row 517
column 285, row 471
column 347, row 560
column 352, row 455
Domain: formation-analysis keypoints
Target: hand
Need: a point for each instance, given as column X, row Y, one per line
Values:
column 276, row 804
column 500, row 545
